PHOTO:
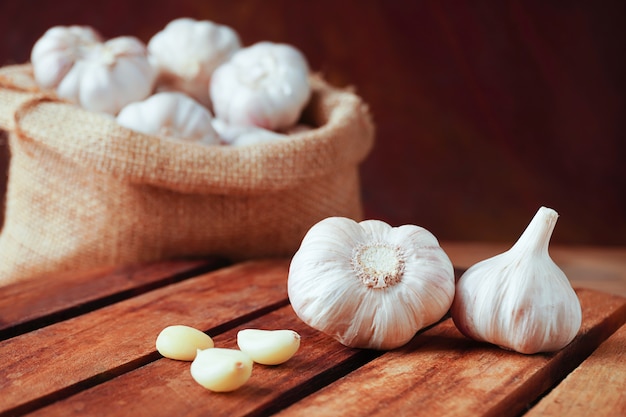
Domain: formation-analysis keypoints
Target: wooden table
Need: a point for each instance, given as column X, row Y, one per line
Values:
column 83, row 344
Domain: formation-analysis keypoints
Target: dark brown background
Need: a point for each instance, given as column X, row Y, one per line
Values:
column 485, row 110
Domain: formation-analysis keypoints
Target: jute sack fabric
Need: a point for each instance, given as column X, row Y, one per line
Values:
column 85, row 192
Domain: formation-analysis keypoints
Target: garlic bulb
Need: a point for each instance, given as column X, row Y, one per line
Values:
column 187, row 51
column 236, row 135
column 370, row 285
column 264, row 85
column 519, row 300
column 170, row 115
column 101, row 77
column 54, row 53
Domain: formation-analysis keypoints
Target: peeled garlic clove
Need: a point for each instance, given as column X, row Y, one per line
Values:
column 170, row 115
column 264, row 85
column 368, row 284
column 182, row 342
column 519, row 300
column 268, row 347
column 221, row 370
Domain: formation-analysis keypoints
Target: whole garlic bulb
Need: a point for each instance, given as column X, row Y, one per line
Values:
column 170, row 115
column 264, row 85
column 519, row 300
column 187, row 51
column 370, row 285
column 98, row 76
column 54, row 53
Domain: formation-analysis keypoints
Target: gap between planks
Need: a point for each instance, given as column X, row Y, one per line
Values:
column 29, row 305
column 61, row 359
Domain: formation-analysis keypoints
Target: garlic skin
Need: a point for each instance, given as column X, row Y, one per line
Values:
column 171, row 115
column 370, row 285
column 264, row 85
column 519, row 300
column 56, row 51
column 107, row 76
column 187, row 51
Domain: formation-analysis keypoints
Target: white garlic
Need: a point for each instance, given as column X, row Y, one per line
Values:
column 170, row 115
column 236, row 135
column 368, row 284
column 520, row 299
column 264, row 85
column 101, row 77
column 187, row 51
column 268, row 347
column 56, row 51
column 182, row 342
column 220, row 369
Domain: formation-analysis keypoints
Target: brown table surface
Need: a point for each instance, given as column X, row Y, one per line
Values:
column 83, row 344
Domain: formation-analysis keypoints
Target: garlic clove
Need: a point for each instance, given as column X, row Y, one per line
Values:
column 520, row 299
column 368, row 284
column 220, row 369
column 264, row 85
column 182, row 342
column 268, row 347
column 170, row 115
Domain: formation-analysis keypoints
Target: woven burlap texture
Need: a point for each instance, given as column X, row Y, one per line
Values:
column 84, row 192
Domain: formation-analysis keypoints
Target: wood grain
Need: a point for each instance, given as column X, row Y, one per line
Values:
column 165, row 387
column 596, row 388
column 39, row 302
column 441, row 373
column 59, row 359
column 103, row 362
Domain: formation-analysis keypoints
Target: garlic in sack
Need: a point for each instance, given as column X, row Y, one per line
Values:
column 245, row 135
column 520, row 299
column 264, row 85
column 101, row 77
column 370, row 285
column 170, row 115
column 56, row 51
column 187, row 51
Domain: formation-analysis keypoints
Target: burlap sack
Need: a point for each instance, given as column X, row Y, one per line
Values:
column 85, row 192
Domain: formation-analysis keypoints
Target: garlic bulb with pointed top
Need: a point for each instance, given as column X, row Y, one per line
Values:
column 368, row 284
column 520, row 299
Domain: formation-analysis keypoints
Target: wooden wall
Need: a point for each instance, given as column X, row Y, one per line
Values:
column 485, row 110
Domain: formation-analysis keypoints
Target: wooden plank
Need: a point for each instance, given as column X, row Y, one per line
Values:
column 596, row 388
column 442, row 373
column 165, row 387
column 55, row 361
column 35, row 303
